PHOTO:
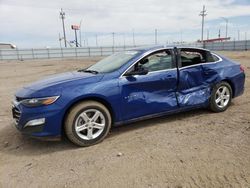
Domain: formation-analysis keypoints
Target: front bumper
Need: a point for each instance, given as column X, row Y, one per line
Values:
column 44, row 121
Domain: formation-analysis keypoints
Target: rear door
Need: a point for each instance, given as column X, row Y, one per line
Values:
column 151, row 93
column 193, row 89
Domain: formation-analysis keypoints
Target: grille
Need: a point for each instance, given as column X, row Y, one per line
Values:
column 16, row 114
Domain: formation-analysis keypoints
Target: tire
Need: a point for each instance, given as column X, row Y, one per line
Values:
column 221, row 97
column 84, row 118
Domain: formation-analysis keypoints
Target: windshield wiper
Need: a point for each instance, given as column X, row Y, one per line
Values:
column 90, row 71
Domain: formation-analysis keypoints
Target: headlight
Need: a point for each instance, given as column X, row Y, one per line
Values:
column 39, row 101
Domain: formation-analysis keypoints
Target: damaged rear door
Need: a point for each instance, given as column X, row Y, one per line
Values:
column 193, row 89
column 151, row 93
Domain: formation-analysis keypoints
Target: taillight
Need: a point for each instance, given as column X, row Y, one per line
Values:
column 242, row 68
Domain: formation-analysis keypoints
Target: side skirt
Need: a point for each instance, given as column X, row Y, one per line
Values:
column 184, row 109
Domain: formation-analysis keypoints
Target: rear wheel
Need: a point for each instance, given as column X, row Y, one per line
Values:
column 87, row 123
column 221, row 97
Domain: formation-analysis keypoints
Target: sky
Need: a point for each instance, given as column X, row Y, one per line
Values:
column 36, row 24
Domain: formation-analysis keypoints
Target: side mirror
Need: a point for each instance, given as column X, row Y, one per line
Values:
column 141, row 71
column 144, row 61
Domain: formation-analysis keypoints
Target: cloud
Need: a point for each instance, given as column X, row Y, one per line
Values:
column 37, row 23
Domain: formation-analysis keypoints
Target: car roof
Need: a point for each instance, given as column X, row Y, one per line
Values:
column 148, row 48
column 155, row 48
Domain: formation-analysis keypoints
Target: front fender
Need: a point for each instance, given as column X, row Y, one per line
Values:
column 107, row 92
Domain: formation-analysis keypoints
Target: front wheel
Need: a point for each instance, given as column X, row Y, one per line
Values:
column 87, row 123
column 221, row 97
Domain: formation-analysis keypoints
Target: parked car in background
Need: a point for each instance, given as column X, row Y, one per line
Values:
column 7, row 46
column 126, row 87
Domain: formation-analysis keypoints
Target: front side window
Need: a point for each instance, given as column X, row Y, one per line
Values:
column 158, row 61
column 154, row 62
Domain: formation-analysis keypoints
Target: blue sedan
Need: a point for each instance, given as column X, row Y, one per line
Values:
column 126, row 87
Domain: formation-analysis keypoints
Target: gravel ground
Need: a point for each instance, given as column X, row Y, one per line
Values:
column 191, row 149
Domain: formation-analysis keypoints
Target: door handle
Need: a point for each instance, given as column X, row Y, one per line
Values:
column 207, row 72
column 167, row 77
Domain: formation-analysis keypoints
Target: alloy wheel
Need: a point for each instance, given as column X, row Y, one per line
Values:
column 89, row 124
column 222, row 96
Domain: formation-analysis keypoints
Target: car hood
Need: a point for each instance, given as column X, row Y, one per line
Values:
column 54, row 84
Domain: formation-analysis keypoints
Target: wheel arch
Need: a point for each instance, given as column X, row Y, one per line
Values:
column 89, row 98
column 231, row 84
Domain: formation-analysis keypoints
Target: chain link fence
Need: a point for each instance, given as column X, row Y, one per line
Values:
column 49, row 53
column 228, row 46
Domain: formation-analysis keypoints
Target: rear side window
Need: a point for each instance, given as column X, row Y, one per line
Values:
column 189, row 58
column 215, row 58
column 192, row 56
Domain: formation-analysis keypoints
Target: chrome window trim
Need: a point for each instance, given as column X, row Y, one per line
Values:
column 164, row 70
column 195, row 48
column 159, row 71
column 146, row 54
column 152, row 51
column 220, row 59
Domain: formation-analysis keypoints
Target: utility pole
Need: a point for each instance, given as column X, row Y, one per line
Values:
column 62, row 16
column 80, row 32
column 113, row 37
column 226, row 20
column 75, row 27
column 87, row 41
column 219, row 34
column 76, row 38
column 155, row 36
column 203, row 13
column 124, row 40
column 96, row 40
column 133, row 37
column 60, row 40
column 181, row 36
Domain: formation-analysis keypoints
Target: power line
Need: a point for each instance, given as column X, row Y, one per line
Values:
column 62, row 16
column 203, row 13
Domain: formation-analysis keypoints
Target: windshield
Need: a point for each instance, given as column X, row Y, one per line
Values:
column 113, row 62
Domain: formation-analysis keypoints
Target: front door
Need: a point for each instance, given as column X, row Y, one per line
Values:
column 151, row 93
